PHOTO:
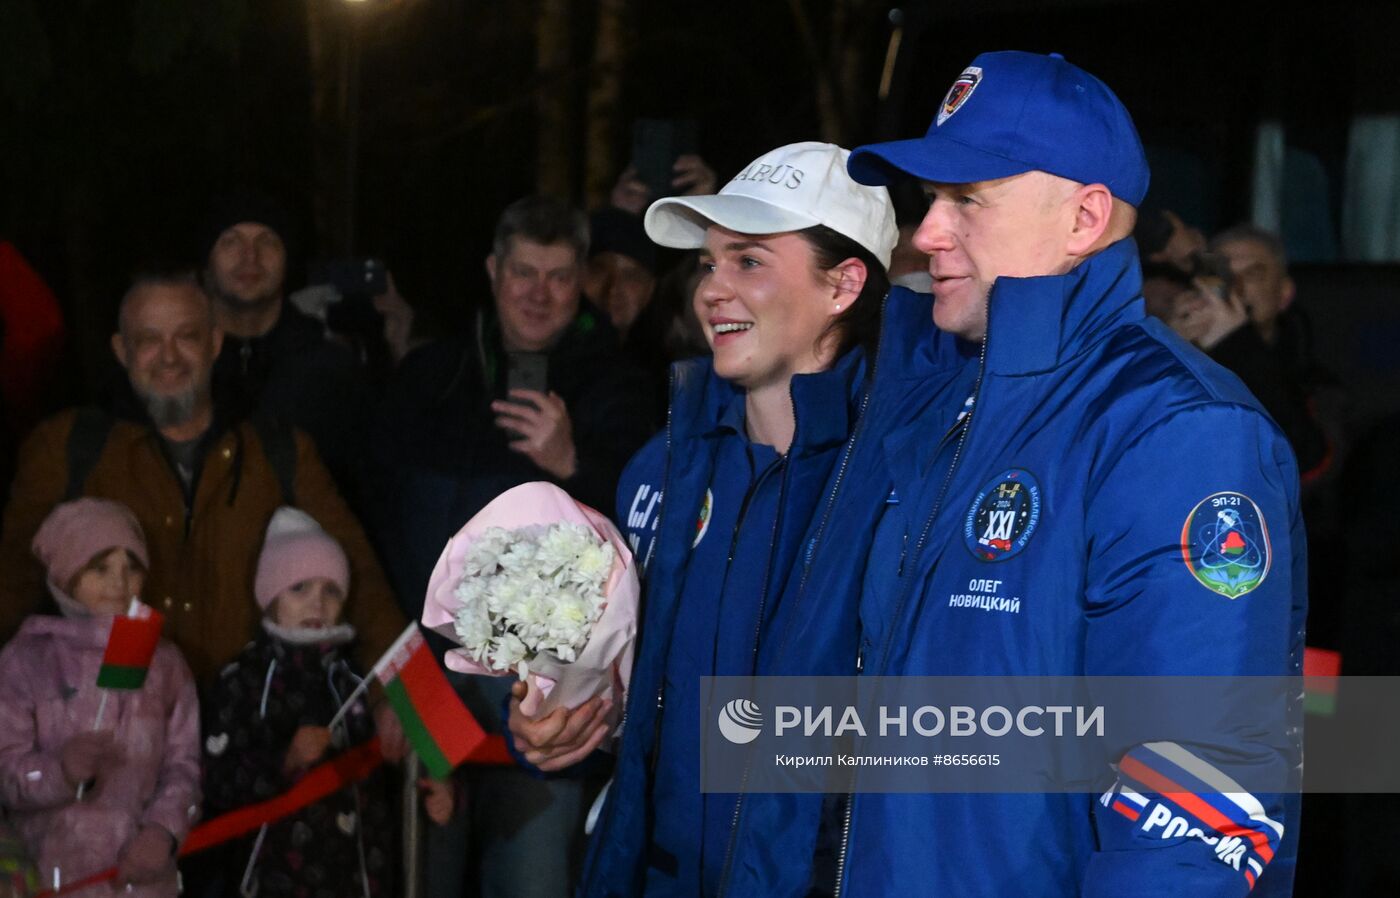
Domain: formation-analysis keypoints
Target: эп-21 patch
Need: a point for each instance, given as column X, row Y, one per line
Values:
column 1225, row 544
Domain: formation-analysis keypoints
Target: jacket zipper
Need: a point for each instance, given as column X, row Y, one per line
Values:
column 757, row 632
column 904, row 593
column 802, row 583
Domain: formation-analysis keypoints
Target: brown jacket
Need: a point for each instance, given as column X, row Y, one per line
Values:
column 202, row 564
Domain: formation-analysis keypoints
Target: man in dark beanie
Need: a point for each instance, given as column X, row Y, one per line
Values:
column 276, row 360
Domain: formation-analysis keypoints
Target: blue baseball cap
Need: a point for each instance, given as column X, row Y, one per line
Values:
column 1012, row 112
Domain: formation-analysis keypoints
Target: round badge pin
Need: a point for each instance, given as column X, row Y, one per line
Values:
column 1003, row 517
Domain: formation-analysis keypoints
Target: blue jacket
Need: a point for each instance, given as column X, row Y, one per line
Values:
column 680, row 463
column 1099, row 444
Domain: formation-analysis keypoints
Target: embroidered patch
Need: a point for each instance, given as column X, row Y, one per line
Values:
column 1225, row 544
column 216, row 744
column 702, row 523
column 957, row 94
column 1003, row 517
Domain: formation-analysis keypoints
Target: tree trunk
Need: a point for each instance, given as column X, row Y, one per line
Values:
column 553, row 140
column 327, row 64
column 830, row 117
column 605, row 88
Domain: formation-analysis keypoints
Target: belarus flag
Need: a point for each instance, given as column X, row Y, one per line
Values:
column 130, row 648
column 442, row 730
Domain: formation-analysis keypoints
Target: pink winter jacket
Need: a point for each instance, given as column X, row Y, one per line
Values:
column 48, row 693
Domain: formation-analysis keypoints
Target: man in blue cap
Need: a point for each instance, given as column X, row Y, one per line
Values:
column 1067, row 489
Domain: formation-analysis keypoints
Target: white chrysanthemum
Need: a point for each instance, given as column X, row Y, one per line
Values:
column 486, row 551
column 473, row 627
column 531, row 591
column 593, row 564
column 472, row 590
column 506, row 652
column 559, row 545
column 519, row 555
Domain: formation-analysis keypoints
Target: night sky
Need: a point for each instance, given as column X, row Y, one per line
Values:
column 121, row 118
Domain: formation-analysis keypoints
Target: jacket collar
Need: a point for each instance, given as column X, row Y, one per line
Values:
column 911, row 348
column 587, row 337
column 1035, row 323
column 824, row 403
column 1038, row 323
column 87, row 629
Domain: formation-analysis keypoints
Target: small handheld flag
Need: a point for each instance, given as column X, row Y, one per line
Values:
column 130, row 648
column 1321, row 670
column 441, row 729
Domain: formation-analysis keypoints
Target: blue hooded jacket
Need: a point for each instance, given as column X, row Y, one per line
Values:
column 1110, row 441
column 681, row 463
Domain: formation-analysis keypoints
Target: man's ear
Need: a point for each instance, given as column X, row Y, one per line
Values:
column 849, row 279
column 1290, row 290
column 491, row 268
column 119, row 348
column 1093, row 211
column 216, row 336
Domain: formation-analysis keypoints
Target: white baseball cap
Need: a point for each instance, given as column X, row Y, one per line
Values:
column 797, row 186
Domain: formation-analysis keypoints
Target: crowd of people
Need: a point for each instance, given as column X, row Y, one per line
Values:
column 758, row 364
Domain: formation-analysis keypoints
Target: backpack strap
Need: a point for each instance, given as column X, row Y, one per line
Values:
column 280, row 446
column 86, row 441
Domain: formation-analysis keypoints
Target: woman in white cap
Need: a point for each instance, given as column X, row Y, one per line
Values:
column 793, row 258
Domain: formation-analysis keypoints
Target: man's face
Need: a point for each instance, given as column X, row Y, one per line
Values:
column 620, row 286
column 1265, row 285
column 248, row 265
column 536, row 287
column 976, row 233
column 168, row 344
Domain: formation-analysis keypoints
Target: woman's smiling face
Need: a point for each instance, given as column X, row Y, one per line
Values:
column 764, row 307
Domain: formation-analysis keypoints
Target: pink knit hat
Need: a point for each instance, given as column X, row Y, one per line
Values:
column 297, row 549
column 76, row 532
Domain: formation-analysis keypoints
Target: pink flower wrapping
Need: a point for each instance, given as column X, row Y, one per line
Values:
column 604, row 666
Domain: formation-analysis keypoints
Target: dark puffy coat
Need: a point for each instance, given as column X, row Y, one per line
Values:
column 250, row 716
column 295, row 375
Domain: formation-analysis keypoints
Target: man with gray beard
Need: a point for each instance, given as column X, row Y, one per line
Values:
column 203, row 487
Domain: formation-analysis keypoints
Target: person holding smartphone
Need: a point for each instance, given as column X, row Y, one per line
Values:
column 538, row 390
column 793, row 258
column 1210, row 311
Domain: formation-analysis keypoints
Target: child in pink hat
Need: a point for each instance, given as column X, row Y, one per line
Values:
column 139, row 773
column 266, row 725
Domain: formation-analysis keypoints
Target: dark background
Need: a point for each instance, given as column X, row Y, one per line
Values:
column 118, row 119
column 403, row 127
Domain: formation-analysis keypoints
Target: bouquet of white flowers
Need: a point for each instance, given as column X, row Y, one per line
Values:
column 538, row 585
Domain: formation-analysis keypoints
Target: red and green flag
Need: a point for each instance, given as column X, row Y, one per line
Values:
column 1321, row 670
column 130, row 648
column 441, row 729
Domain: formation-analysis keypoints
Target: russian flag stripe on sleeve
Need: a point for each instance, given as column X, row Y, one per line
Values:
column 130, row 648
column 1196, row 806
column 442, row 730
column 1212, row 784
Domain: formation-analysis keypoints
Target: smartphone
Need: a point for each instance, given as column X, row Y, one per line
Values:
column 656, row 145
column 525, row 371
column 354, row 276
